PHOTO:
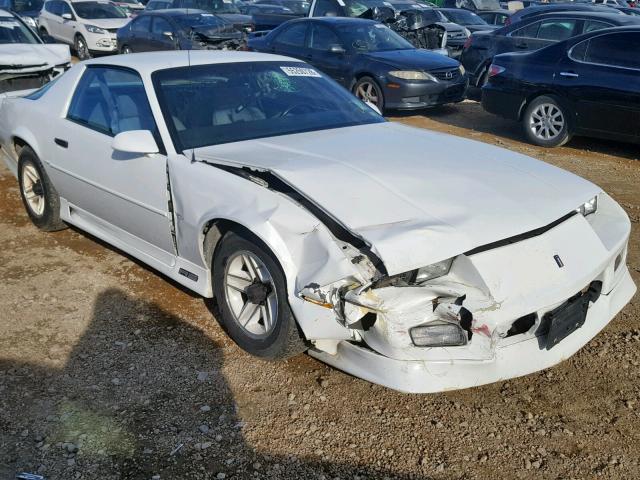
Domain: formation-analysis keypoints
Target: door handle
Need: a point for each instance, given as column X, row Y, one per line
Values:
column 60, row 142
column 569, row 74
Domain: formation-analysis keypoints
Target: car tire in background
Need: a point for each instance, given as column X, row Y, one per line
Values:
column 368, row 90
column 39, row 196
column 81, row 48
column 546, row 122
column 251, row 294
column 43, row 32
column 125, row 50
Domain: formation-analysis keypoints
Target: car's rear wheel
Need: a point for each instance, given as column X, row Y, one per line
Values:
column 250, row 288
column 81, row 48
column 546, row 123
column 126, row 50
column 40, row 198
column 368, row 90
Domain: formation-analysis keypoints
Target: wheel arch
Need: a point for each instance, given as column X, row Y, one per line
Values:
column 22, row 138
column 549, row 92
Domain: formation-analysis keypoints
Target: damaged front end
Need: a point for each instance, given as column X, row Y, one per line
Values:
column 412, row 25
column 219, row 41
column 21, row 77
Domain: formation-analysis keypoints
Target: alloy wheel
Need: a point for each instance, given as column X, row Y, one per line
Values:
column 33, row 190
column 81, row 49
column 251, row 294
column 546, row 121
column 368, row 92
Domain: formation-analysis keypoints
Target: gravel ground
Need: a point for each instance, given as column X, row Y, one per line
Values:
column 109, row 371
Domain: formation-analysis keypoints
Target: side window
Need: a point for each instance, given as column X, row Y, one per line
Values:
column 55, row 8
column 530, row 31
column 110, row 101
column 593, row 25
column 323, row 38
column 293, row 35
column 141, row 24
column 556, row 30
column 613, row 49
column 65, row 8
column 327, row 8
column 578, row 51
column 160, row 26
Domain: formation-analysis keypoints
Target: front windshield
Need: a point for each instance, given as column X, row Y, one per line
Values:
column 231, row 102
column 213, row 6
column 464, row 17
column 12, row 31
column 21, row 6
column 296, row 6
column 372, row 37
column 201, row 21
column 98, row 10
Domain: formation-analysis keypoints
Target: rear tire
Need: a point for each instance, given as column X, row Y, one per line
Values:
column 546, row 122
column 251, row 294
column 39, row 196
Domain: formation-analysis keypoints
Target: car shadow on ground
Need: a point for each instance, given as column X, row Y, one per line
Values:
column 128, row 405
column 471, row 116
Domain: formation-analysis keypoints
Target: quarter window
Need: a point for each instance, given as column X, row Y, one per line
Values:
column 293, row 35
column 556, row 30
column 593, row 25
column 615, row 50
column 111, row 100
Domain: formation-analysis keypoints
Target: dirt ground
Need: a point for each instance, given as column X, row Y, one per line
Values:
column 109, row 371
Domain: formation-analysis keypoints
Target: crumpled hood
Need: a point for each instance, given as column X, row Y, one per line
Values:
column 109, row 23
column 28, row 57
column 414, row 58
column 416, row 196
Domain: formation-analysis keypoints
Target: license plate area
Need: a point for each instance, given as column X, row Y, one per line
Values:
column 567, row 318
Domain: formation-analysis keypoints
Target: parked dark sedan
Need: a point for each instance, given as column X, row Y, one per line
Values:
column 587, row 85
column 178, row 29
column 467, row 19
column 534, row 10
column 531, row 34
column 371, row 60
column 226, row 9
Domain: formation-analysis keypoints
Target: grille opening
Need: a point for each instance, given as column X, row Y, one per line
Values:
column 522, row 325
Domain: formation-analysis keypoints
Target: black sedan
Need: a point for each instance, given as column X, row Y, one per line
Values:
column 178, row 29
column 371, row 60
column 588, row 85
column 531, row 34
column 467, row 19
column 226, row 9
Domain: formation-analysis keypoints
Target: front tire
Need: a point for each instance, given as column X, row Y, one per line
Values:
column 546, row 122
column 368, row 90
column 39, row 196
column 126, row 50
column 251, row 293
column 81, row 48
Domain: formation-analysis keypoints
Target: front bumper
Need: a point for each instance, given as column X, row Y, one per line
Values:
column 417, row 95
column 98, row 43
column 509, row 361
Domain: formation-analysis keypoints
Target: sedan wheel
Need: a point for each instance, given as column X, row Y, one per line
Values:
column 80, row 46
column 32, row 190
column 251, row 293
column 545, row 122
column 367, row 90
column 126, row 50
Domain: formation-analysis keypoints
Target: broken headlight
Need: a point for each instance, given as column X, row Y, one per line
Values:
column 438, row 334
column 589, row 207
column 412, row 75
column 432, row 271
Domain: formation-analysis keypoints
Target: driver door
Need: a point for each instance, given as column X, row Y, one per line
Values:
column 122, row 195
column 323, row 53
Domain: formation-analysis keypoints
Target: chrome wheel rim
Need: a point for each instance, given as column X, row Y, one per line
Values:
column 367, row 92
column 81, row 49
column 250, row 294
column 32, row 190
column 546, row 121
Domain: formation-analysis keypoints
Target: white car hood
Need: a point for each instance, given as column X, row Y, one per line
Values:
column 107, row 22
column 416, row 196
column 25, row 57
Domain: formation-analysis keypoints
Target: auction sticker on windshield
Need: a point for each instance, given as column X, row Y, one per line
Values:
column 300, row 72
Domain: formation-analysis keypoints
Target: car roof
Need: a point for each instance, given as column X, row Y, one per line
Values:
column 147, row 63
column 332, row 20
column 614, row 17
column 173, row 12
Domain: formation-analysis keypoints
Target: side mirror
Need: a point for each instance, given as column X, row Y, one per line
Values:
column 135, row 141
column 67, row 16
column 336, row 49
column 168, row 34
column 374, row 107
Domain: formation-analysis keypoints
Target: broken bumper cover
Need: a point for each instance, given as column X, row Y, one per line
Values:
column 509, row 361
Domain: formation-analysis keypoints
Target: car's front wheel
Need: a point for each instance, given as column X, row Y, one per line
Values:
column 81, row 48
column 251, row 292
column 39, row 196
column 368, row 90
column 546, row 123
column 126, row 50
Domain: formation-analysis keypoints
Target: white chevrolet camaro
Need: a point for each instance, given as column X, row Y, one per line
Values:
column 413, row 259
